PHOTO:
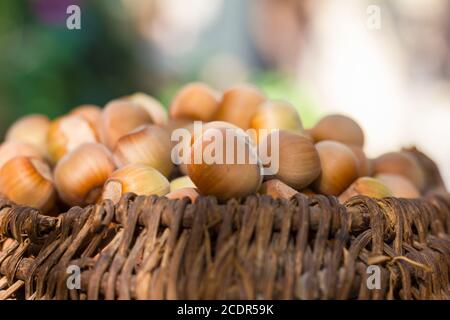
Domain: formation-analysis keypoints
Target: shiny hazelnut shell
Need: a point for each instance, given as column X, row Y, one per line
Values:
column 195, row 101
column 338, row 128
column 299, row 162
column 339, row 168
column 120, row 117
column 225, row 180
column 239, row 104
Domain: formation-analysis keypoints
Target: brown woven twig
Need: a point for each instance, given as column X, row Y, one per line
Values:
column 259, row 248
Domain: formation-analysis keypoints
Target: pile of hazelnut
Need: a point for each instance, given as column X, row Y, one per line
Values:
column 93, row 154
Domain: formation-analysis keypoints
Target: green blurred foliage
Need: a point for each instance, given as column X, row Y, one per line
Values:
column 49, row 69
column 281, row 87
column 46, row 68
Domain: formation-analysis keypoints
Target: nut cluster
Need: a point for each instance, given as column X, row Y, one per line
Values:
column 93, row 154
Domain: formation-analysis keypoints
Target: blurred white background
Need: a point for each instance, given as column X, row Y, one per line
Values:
column 394, row 80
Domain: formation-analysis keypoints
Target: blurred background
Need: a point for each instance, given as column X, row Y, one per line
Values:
column 323, row 56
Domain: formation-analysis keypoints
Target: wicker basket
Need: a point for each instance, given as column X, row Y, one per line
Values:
column 258, row 248
column 254, row 248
